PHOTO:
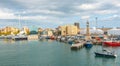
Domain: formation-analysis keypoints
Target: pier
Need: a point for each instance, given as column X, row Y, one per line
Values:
column 33, row 37
column 78, row 45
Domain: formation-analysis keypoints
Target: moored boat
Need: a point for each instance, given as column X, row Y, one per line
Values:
column 20, row 37
column 52, row 37
column 112, row 42
column 88, row 44
column 106, row 53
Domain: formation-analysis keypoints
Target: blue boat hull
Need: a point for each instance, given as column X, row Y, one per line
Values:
column 88, row 45
column 70, row 42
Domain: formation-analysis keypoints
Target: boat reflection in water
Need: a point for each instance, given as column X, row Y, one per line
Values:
column 106, row 53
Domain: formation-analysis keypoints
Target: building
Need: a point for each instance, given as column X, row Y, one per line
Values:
column 9, row 31
column 47, row 32
column 63, row 30
column 77, row 24
column 69, row 30
column 26, row 30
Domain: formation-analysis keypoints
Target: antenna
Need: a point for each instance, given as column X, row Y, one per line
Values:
column 96, row 21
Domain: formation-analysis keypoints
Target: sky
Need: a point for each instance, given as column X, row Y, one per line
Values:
column 54, row 13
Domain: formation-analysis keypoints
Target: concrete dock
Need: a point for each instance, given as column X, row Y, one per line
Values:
column 33, row 37
column 78, row 45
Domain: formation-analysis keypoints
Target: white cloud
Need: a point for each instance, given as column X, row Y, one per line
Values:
column 45, row 11
column 63, row 12
column 7, row 15
column 31, row 4
column 113, row 2
column 34, row 17
column 115, row 15
column 85, row 17
column 89, row 6
column 106, row 11
column 110, row 18
column 11, row 15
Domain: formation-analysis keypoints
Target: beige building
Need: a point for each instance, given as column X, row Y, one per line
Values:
column 69, row 30
column 47, row 32
column 9, row 31
column 63, row 30
column 26, row 30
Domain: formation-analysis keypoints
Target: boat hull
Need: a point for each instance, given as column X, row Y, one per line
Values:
column 19, row 38
column 70, row 42
column 88, row 45
column 112, row 43
column 105, row 55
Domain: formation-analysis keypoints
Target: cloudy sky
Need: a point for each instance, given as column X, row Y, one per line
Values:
column 52, row 13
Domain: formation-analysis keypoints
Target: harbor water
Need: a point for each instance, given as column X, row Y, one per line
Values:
column 52, row 53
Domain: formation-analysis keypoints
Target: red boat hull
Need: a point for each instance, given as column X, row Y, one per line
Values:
column 52, row 38
column 112, row 43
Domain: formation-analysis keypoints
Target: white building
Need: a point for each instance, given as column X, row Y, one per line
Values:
column 93, row 31
column 114, row 31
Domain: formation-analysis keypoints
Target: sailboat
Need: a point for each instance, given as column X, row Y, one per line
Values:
column 21, row 35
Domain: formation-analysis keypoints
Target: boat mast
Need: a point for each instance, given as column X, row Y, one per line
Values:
column 19, row 22
column 96, row 21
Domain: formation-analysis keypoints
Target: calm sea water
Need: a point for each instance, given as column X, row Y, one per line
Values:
column 51, row 53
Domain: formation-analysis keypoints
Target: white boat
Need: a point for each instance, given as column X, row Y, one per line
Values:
column 106, row 53
column 20, row 37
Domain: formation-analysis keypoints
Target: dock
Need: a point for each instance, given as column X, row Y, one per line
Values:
column 33, row 37
column 97, row 42
column 78, row 45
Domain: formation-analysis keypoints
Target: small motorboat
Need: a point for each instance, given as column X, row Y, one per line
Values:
column 106, row 53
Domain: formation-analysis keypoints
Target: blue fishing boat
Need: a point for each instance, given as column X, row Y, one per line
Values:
column 106, row 53
column 88, row 44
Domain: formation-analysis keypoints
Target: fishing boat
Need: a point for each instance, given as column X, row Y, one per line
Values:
column 112, row 42
column 88, row 44
column 106, row 53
